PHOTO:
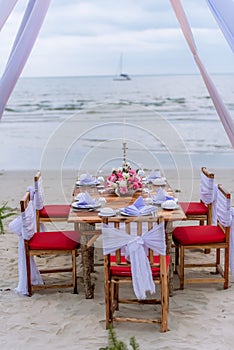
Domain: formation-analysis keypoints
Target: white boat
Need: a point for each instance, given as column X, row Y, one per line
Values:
column 120, row 75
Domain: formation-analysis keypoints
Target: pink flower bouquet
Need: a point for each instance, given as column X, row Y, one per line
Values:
column 124, row 181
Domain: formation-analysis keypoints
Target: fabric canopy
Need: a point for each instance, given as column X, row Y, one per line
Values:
column 6, row 8
column 222, row 111
column 223, row 11
column 34, row 17
column 25, row 39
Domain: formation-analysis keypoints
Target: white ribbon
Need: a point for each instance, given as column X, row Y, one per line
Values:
column 206, row 189
column 39, row 195
column 231, row 244
column 24, row 227
column 225, row 215
column 135, row 248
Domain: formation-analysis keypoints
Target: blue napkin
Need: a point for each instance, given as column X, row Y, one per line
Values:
column 138, row 208
column 87, row 179
column 85, row 201
column 155, row 174
column 161, row 196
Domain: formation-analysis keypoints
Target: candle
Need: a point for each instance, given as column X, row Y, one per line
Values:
column 124, row 125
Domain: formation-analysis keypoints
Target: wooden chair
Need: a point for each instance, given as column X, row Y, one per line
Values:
column 190, row 238
column 55, row 243
column 48, row 212
column 202, row 210
column 119, row 271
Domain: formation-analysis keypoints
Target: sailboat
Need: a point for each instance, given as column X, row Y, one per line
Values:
column 120, row 75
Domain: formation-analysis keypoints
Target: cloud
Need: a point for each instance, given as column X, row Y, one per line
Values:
column 87, row 37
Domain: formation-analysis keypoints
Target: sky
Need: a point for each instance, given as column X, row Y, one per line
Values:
column 86, row 37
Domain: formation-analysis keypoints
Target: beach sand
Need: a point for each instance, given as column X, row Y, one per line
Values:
column 200, row 317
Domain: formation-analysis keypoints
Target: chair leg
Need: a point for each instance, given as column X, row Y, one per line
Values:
column 116, row 296
column 108, row 295
column 181, row 267
column 217, row 260
column 28, row 268
column 176, row 258
column 164, row 303
column 74, row 273
column 226, row 268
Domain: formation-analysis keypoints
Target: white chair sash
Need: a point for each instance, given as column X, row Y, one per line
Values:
column 223, row 209
column 136, row 253
column 206, row 189
column 225, row 215
column 24, row 227
column 39, row 195
column 214, row 206
column 231, row 244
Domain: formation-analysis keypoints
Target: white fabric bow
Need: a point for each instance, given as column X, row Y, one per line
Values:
column 136, row 253
column 24, row 227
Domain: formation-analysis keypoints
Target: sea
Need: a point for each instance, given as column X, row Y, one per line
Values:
column 159, row 121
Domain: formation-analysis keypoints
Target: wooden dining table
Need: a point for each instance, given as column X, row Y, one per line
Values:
column 86, row 221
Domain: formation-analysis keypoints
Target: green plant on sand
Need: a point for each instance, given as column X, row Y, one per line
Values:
column 5, row 212
column 115, row 344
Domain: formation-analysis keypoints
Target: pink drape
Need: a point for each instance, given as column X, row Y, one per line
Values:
column 5, row 9
column 222, row 111
column 25, row 39
column 223, row 12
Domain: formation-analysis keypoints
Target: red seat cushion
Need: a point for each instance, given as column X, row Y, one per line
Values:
column 55, row 211
column 194, row 208
column 58, row 240
column 189, row 235
column 118, row 270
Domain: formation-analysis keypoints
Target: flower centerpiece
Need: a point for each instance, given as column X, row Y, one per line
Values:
column 124, row 180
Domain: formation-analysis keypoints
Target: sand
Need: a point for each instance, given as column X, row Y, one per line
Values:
column 200, row 317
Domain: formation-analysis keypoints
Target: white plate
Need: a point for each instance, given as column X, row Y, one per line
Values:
column 126, row 214
column 107, row 215
column 93, row 183
column 170, row 208
column 76, row 205
column 158, row 182
column 160, row 202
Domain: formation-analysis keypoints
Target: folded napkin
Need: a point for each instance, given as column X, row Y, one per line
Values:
column 154, row 174
column 161, row 196
column 138, row 208
column 87, row 179
column 85, row 200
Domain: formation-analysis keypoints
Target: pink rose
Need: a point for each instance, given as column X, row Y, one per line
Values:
column 123, row 190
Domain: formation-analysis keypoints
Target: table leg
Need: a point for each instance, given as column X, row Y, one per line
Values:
column 87, row 268
column 87, row 259
column 169, row 229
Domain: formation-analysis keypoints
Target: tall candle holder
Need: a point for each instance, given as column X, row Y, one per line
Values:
column 124, row 151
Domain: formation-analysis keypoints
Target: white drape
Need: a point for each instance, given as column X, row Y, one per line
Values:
column 39, row 195
column 24, row 227
column 222, row 111
column 225, row 215
column 223, row 11
column 6, row 8
column 136, row 252
column 206, row 189
column 25, row 39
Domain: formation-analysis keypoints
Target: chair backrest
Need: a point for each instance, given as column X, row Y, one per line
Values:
column 139, row 239
column 39, row 193
column 206, row 186
column 28, row 216
column 24, row 202
column 223, row 207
